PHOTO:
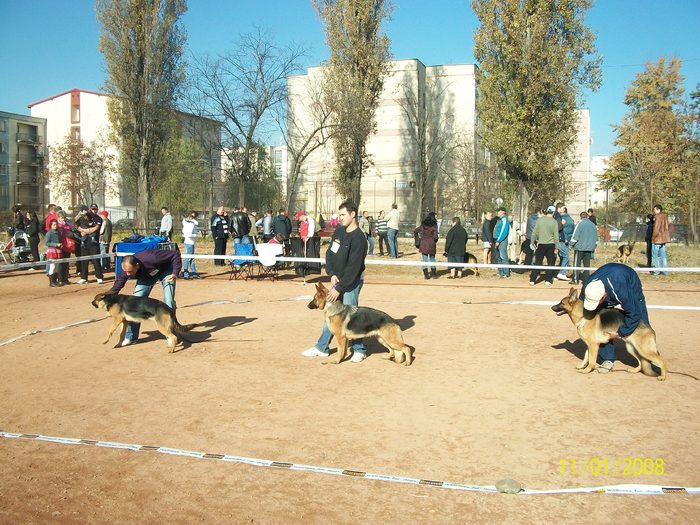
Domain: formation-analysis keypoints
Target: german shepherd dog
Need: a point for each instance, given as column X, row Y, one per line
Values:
column 624, row 251
column 471, row 259
column 125, row 308
column 641, row 343
column 355, row 322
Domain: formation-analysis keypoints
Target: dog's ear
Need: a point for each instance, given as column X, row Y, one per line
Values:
column 320, row 287
column 573, row 295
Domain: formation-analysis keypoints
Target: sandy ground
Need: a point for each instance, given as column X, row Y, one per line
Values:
column 493, row 393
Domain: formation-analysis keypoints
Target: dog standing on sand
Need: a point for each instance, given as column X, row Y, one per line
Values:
column 355, row 322
column 130, row 308
column 594, row 331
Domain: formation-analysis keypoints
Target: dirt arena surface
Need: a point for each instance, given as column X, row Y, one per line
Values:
column 493, row 393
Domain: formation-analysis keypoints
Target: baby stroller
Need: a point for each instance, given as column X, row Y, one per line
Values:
column 20, row 250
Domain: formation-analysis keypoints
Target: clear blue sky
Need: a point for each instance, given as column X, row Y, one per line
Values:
column 50, row 46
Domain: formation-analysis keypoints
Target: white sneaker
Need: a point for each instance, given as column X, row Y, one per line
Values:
column 532, row 283
column 100, row 281
column 562, row 277
column 357, row 357
column 605, row 367
column 31, row 269
column 126, row 342
column 547, row 283
column 314, row 352
column 82, row 281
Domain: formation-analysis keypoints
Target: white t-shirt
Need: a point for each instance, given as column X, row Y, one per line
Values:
column 190, row 230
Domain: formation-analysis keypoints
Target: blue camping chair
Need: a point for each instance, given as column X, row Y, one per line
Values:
column 242, row 268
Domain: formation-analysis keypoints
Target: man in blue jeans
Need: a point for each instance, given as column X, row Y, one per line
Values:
column 500, row 237
column 345, row 263
column 148, row 267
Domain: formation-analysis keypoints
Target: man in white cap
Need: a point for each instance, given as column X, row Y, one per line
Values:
column 609, row 286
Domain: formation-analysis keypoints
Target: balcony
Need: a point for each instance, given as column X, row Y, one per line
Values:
column 28, row 138
column 28, row 160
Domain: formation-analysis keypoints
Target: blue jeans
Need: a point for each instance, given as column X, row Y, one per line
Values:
column 104, row 250
column 393, row 246
column 658, row 255
column 351, row 298
column 503, row 258
column 143, row 289
column 189, row 263
column 426, row 259
column 564, row 257
column 370, row 242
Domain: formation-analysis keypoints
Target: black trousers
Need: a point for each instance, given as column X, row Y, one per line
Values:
column 544, row 250
column 219, row 249
column 34, row 247
column 649, row 243
column 383, row 243
column 91, row 248
column 582, row 259
column 529, row 254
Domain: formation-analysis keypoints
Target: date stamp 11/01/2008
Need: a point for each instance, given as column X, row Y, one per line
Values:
column 602, row 466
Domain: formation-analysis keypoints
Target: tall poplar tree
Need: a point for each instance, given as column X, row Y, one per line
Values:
column 142, row 42
column 356, row 70
column 535, row 56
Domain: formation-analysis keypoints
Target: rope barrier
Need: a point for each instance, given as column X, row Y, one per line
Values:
column 632, row 489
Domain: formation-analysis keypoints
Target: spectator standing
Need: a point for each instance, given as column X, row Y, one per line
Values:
column 240, row 226
column 392, row 224
column 53, row 252
column 345, row 264
column 265, row 222
column 88, row 226
column 382, row 230
column 426, row 236
column 51, row 214
column 565, row 233
column 500, row 238
column 584, row 240
column 456, row 247
column 660, row 236
column 544, row 238
column 513, row 238
column 526, row 246
column 647, row 237
column 219, row 232
column 148, row 267
column 281, row 225
column 17, row 219
column 105, row 239
column 31, row 228
column 591, row 217
column 487, row 236
column 366, row 228
column 190, row 231
column 65, row 232
column 166, row 224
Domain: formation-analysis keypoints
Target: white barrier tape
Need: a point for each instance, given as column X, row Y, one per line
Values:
column 47, row 262
column 632, row 489
column 55, row 329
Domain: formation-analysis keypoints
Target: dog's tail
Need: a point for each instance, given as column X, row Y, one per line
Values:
column 181, row 329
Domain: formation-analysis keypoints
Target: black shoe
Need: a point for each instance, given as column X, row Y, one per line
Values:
column 196, row 276
column 573, row 282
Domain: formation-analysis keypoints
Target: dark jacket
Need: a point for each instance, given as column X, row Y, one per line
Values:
column 623, row 287
column 531, row 221
column 487, row 231
column 31, row 226
column 240, row 224
column 153, row 262
column 456, row 241
column 219, row 226
column 281, row 225
column 567, row 228
column 345, row 258
column 428, row 239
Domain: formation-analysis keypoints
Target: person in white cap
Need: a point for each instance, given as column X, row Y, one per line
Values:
column 609, row 286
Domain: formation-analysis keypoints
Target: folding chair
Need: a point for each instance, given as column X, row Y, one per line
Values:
column 268, row 263
column 6, row 249
column 242, row 268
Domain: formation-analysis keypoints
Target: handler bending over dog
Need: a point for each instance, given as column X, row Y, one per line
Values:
column 610, row 285
column 345, row 263
column 148, row 267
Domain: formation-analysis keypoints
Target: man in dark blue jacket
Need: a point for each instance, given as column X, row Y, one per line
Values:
column 611, row 285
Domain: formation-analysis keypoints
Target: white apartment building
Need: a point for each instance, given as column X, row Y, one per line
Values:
column 22, row 162
column 597, row 197
column 83, row 114
column 446, row 94
column 582, row 182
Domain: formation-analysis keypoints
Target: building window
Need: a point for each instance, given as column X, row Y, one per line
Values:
column 3, row 125
column 3, row 148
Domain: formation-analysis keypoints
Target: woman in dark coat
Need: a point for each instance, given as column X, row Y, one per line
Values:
column 647, row 236
column 456, row 247
column 31, row 228
column 426, row 236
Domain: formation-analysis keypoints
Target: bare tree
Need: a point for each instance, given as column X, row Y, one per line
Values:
column 238, row 88
column 309, row 126
column 431, row 135
column 142, row 42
